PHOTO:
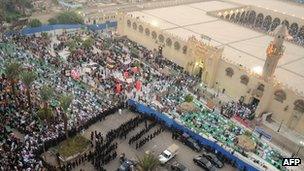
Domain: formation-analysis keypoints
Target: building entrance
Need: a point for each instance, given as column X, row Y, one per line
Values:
column 255, row 102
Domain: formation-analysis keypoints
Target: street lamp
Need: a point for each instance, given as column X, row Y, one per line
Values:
column 280, row 126
column 300, row 146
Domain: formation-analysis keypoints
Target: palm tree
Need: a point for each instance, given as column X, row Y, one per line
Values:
column 28, row 77
column 148, row 162
column 12, row 70
column 88, row 43
column 46, row 93
column 65, row 103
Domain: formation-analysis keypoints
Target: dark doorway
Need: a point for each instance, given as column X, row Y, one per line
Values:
column 242, row 98
column 160, row 50
column 200, row 72
column 255, row 101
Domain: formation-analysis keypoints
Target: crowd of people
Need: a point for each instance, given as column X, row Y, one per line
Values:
column 238, row 109
column 148, row 138
column 35, row 55
column 141, row 133
column 101, row 79
column 123, row 130
column 103, row 154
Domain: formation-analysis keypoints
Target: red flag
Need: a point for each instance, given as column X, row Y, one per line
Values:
column 135, row 69
column 138, row 85
column 126, row 74
column 118, row 88
column 75, row 75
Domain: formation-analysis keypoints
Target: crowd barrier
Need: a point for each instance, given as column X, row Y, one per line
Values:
column 103, row 26
column 142, row 109
column 48, row 28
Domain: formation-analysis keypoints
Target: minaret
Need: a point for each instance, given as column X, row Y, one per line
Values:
column 275, row 51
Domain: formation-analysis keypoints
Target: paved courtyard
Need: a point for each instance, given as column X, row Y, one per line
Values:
column 156, row 145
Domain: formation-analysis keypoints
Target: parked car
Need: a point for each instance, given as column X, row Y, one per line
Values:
column 204, row 163
column 168, row 154
column 127, row 165
column 176, row 166
column 188, row 141
column 214, row 159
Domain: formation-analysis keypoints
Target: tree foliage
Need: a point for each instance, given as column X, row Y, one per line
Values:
column 13, row 10
column 35, row 23
column 68, row 17
column 12, row 69
column 52, row 21
column 72, row 44
column 46, row 93
column 148, row 162
column 188, row 98
column 45, row 114
column 28, row 78
column 88, row 43
column 65, row 101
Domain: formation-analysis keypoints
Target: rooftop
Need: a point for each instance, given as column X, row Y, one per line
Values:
column 242, row 45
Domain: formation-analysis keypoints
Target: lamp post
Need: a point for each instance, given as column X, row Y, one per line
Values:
column 300, row 146
column 280, row 126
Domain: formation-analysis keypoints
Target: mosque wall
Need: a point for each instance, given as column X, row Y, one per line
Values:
column 174, row 48
column 230, row 82
column 96, row 19
column 283, row 110
column 280, row 100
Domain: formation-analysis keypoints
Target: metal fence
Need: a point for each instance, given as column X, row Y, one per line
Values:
column 49, row 28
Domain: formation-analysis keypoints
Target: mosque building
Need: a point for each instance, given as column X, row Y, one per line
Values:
column 247, row 52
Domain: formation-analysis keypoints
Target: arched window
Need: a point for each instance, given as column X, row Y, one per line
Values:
column 154, row 35
column 252, row 17
column 280, row 95
column 168, row 42
column 243, row 16
column 244, row 79
column 134, row 25
column 267, row 22
column 185, row 49
column 293, row 29
column 229, row 72
column 237, row 17
column 129, row 23
column 140, row 29
column 301, row 33
column 232, row 17
column 261, row 87
column 227, row 17
column 147, row 31
column 161, row 38
column 259, row 20
column 299, row 105
column 275, row 24
column 176, row 46
column 246, row 19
